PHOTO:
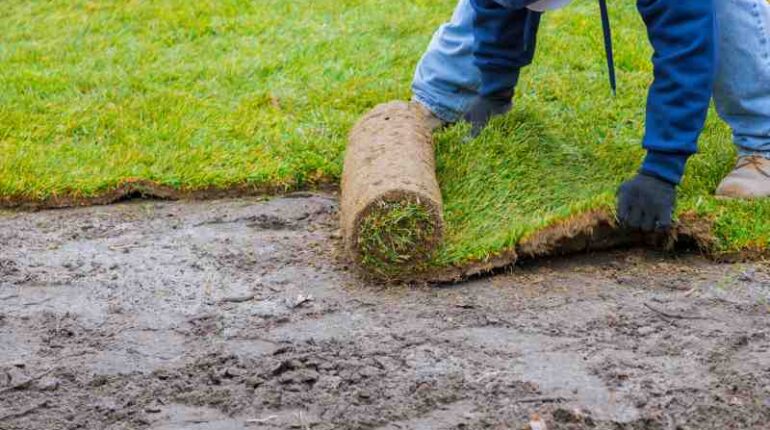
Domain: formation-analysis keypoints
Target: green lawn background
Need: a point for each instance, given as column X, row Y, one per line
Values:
column 226, row 93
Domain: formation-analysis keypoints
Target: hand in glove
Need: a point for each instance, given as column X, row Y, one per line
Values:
column 647, row 203
column 485, row 108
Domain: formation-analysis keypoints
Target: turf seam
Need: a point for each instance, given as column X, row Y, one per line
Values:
column 533, row 247
column 149, row 190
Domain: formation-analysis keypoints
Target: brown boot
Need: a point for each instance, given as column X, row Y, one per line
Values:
column 749, row 180
column 431, row 121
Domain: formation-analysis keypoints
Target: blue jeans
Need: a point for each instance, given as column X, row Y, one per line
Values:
column 742, row 90
column 447, row 82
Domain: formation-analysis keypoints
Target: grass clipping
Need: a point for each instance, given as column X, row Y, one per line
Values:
column 391, row 203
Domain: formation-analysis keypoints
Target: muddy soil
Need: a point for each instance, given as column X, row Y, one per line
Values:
column 238, row 314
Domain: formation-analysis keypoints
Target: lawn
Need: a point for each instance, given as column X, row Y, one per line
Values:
column 261, row 94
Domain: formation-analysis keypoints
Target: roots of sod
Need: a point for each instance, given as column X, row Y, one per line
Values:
column 396, row 236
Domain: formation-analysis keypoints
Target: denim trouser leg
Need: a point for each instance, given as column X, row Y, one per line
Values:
column 447, row 81
column 742, row 90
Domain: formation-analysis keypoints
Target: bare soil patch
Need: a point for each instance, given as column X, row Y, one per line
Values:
column 237, row 314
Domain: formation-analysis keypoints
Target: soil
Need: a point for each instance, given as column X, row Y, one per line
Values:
column 240, row 314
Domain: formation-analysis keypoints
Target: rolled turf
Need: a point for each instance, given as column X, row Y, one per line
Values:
column 100, row 99
column 390, row 204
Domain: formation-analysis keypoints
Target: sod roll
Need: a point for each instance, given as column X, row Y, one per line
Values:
column 391, row 201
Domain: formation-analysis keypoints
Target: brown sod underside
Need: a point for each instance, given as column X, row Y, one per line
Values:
column 146, row 189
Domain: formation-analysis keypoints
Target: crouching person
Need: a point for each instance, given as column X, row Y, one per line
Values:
column 473, row 64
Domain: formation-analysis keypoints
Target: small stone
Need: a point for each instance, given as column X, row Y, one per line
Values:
column 15, row 376
column 48, row 384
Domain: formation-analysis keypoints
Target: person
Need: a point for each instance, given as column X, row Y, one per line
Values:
column 473, row 63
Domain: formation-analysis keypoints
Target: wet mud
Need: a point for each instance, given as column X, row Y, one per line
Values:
column 240, row 314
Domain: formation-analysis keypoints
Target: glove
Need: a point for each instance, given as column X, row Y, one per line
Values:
column 647, row 203
column 485, row 108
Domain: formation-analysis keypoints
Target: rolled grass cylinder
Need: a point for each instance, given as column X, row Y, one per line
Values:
column 391, row 202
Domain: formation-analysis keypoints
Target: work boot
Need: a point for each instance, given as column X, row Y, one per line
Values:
column 432, row 122
column 485, row 108
column 749, row 180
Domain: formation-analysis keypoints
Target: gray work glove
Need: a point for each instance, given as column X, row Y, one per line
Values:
column 647, row 203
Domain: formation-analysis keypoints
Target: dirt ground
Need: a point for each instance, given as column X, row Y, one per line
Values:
column 238, row 314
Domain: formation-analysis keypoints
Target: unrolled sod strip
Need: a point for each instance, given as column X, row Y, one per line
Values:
column 391, row 201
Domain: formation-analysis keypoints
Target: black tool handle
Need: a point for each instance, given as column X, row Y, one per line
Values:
column 608, row 44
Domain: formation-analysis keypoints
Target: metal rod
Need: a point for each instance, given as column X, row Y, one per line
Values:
column 608, row 44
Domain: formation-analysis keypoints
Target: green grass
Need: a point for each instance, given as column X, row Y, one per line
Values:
column 222, row 93
column 395, row 237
